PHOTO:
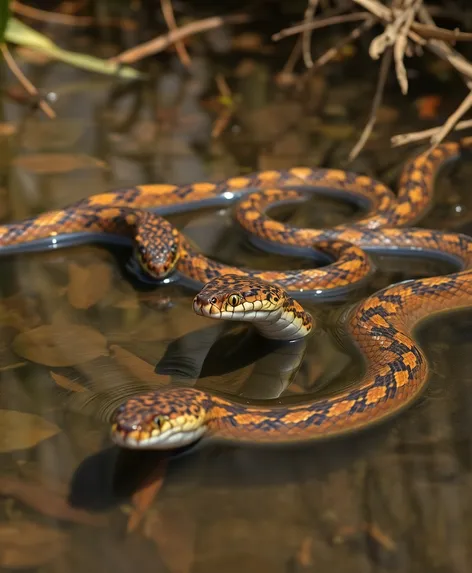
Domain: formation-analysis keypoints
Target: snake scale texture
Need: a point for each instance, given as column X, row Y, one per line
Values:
column 381, row 325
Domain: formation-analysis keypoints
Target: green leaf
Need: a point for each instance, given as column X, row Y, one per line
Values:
column 4, row 15
column 19, row 33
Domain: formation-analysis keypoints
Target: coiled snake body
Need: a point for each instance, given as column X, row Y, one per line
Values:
column 381, row 325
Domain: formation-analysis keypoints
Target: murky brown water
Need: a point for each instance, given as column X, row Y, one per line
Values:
column 79, row 335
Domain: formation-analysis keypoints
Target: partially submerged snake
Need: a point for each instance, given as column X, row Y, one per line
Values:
column 381, row 325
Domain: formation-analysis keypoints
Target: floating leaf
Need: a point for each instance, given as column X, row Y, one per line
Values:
column 19, row 430
column 138, row 367
column 25, row 544
column 88, row 285
column 66, row 383
column 19, row 33
column 60, row 345
column 47, row 502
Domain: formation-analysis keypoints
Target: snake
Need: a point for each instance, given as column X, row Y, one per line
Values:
column 381, row 325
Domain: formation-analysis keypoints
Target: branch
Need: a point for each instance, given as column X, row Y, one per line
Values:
column 168, row 13
column 24, row 81
column 306, row 34
column 162, row 42
column 383, row 74
column 404, row 138
column 68, row 19
column 320, row 23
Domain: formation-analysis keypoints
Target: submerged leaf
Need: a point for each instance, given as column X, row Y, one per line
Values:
column 138, row 367
column 19, row 33
column 66, row 383
column 25, row 544
column 19, row 430
column 88, row 285
column 47, row 502
column 60, row 345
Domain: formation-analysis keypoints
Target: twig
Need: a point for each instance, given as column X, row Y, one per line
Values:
column 162, row 42
column 169, row 17
column 225, row 116
column 435, row 33
column 404, row 138
column 401, row 44
column 452, row 120
column 383, row 74
column 67, row 19
column 306, row 34
column 24, row 81
column 353, row 35
column 293, row 58
column 320, row 23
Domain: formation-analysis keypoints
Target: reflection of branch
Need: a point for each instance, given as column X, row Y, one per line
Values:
column 384, row 66
column 68, row 19
column 180, row 48
column 24, row 81
column 162, row 42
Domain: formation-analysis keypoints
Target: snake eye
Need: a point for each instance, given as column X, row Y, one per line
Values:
column 234, row 299
column 158, row 421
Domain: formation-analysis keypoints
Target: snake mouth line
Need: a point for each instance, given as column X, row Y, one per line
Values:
column 206, row 310
column 141, row 439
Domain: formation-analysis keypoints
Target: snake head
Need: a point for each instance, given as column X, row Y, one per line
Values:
column 163, row 419
column 157, row 246
column 237, row 297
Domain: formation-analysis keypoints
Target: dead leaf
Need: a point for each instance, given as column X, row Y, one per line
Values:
column 88, row 285
column 138, row 367
column 60, row 345
column 144, row 497
column 47, row 502
column 19, row 430
column 25, row 544
column 66, row 383
column 19, row 312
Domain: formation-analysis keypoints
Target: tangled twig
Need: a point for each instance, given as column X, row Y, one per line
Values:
column 408, row 28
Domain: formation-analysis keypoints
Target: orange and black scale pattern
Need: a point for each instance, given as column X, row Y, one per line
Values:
column 381, row 325
column 396, row 374
column 351, row 267
column 251, row 296
column 413, row 200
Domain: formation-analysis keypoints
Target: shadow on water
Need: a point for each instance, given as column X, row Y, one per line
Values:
column 80, row 334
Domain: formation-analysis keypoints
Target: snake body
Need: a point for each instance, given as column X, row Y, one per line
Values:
column 381, row 325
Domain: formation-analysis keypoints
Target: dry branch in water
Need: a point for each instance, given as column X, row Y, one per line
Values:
column 408, row 28
column 168, row 13
column 162, row 42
